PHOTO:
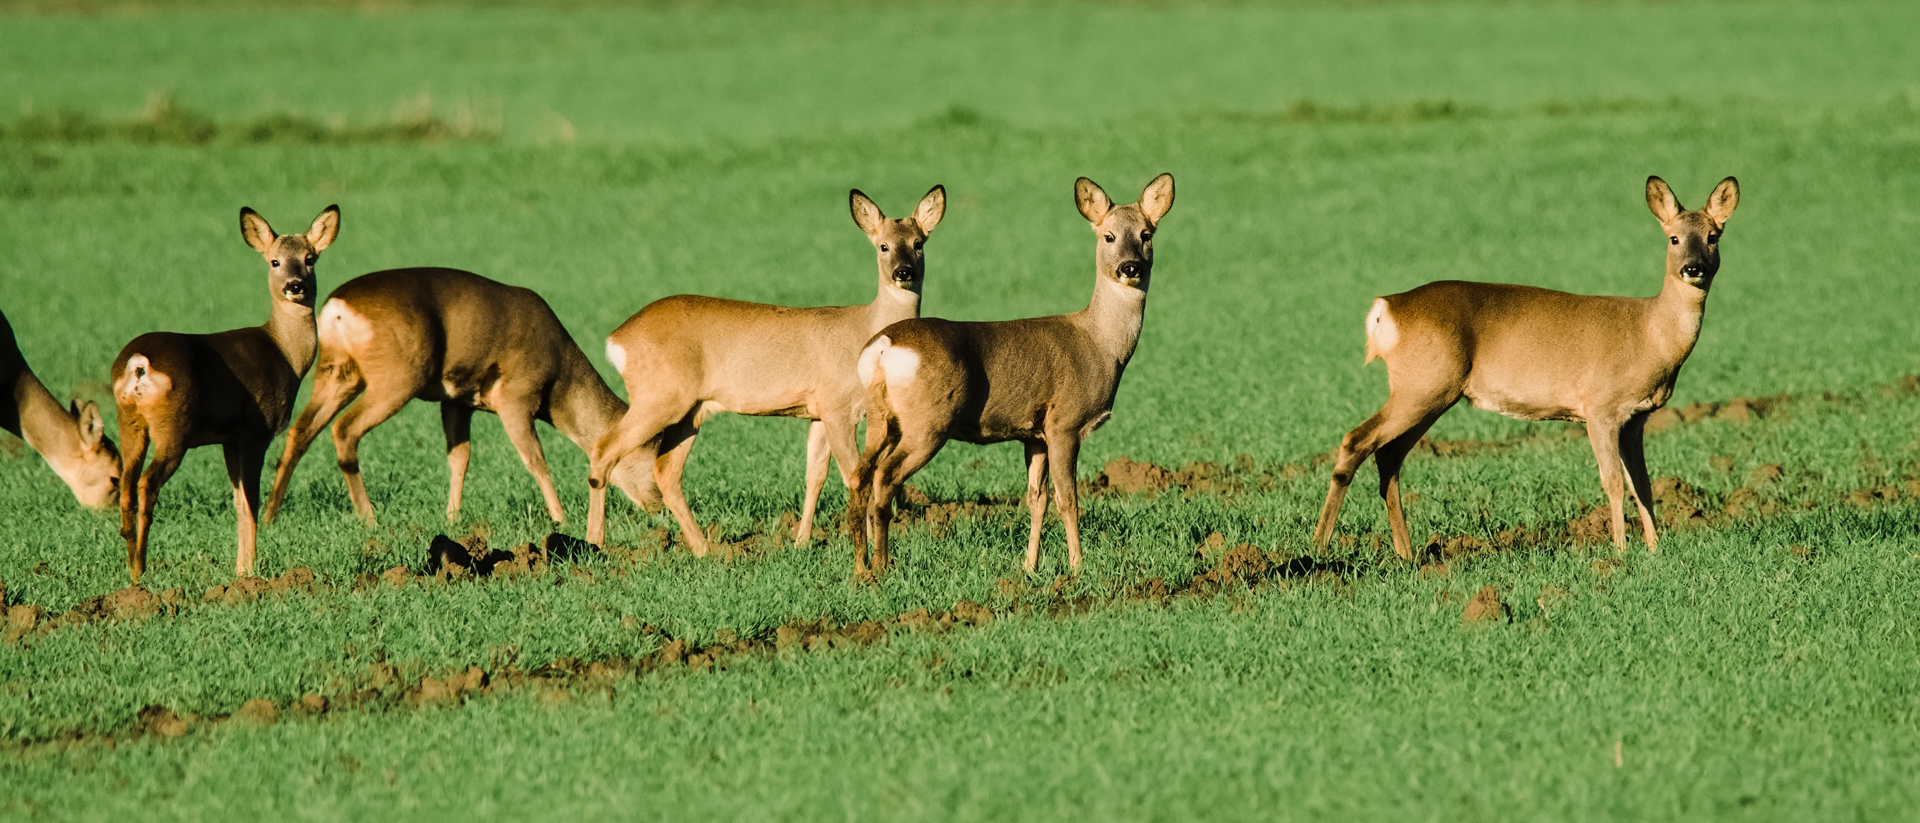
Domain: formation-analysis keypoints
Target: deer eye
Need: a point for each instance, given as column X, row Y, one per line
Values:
column 883, row 247
column 1713, row 238
column 1109, row 238
column 1673, row 241
column 310, row 259
column 918, row 244
column 276, row 264
column 1146, row 235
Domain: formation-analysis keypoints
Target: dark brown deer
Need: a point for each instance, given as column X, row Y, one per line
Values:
column 465, row 342
column 1536, row 354
column 687, row 357
column 71, row 438
column 1046, row 382
column 234, row 388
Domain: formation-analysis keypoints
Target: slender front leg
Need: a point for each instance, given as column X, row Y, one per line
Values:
column 457, row 420
column 817, row 457
column 133, row 455
column 1063, row 451
column 519, row 425
column 676, row 445
column 1036, row 498
column 1605, row 437
column 244, row 461
column 1633, row 456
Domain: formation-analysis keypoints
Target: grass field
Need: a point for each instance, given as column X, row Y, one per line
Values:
column 1765, row 664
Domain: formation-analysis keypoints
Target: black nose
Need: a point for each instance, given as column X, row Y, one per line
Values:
column 903, row 273
column 1692, row 270
column 1130, row 269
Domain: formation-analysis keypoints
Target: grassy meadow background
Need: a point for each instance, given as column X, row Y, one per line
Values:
column 1759, row 667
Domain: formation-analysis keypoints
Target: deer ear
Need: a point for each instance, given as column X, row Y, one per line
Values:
column 1093, row 201
column 1661, row 200
column 1157, row 199
column 92, row 427
column 324, row 228
column 932, row 208
column 866, row 214
column 254, row 230
column 1725, row 196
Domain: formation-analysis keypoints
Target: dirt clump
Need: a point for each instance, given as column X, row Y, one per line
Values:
column 258, row 712
column 160, row 721
column 1763, row 475
column 1152, row 588
column 1485, row 607
column 1128, row 476
column 1244, row 564
column 21, row 621
column 310, row 705
column 972, row 613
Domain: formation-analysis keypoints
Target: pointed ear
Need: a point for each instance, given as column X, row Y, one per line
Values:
column 92, row 427
column 1725, row 196
column 324, row 228
column 866, row 214
column 1093, row 200
column 1157, row 198
column 254, row 230
column 932, row 208
column 1661, row 200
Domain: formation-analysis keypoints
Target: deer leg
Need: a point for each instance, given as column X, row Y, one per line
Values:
column 817, row 457
column 167, row 452
column 1389, row 459
column 133, row 455
column 1605, row 436
column 518, row 422
column 1036, row 452
column 329, row 396
column 909, row 456
column 676, row 445
column 244, row 461
column 641, row 425
column 1633, row 455
column 1063, row 451
column 348, row 428
column 457, row 419
column 883, row 436
column 1400, row 414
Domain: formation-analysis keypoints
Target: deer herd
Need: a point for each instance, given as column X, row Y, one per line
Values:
column 470, row 343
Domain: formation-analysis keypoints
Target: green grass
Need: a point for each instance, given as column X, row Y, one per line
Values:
column 1325, row 154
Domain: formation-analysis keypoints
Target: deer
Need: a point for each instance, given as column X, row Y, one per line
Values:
column 1046, row 382
column 1537, row 354
column 466, row 342
column 72, row 438
column 687, row 357
column 232, row 388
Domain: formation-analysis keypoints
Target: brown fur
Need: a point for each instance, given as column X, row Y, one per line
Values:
column 1046, row 382
column 71, row 438
column 687, row 357
column 234, row 388
column 1537, row 354
column 465, row 342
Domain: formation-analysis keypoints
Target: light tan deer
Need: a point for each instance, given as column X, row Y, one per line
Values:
column 71, row 439
column 687, row 357
column 465, row 342
column 235, row 388
column 1047, row 382
column 1536, row 354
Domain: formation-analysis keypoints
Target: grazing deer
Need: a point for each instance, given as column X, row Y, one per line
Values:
column 1536, row 354
column 72, row 439
column 687, row 357
column 235, row 388
column 466, row 342
column 1046, row 381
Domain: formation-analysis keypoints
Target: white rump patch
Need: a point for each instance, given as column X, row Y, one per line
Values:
column 869, row 358
column 617, row 356
column 1382, row 332
column 140, row 380
column 342, row 328
column 899, row 365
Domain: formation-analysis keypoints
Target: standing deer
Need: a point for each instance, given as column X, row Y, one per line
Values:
column 235, row 388
column 1536, row 354
column 72, row 439
column 1047, row 382
column 687, row 357
column 466, row 342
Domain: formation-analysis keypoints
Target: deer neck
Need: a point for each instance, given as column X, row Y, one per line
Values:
column 1113, row 318
column 46, row 425
column 1674, row 323
column 582, row 407
column 291, row 327
column 891, row 305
